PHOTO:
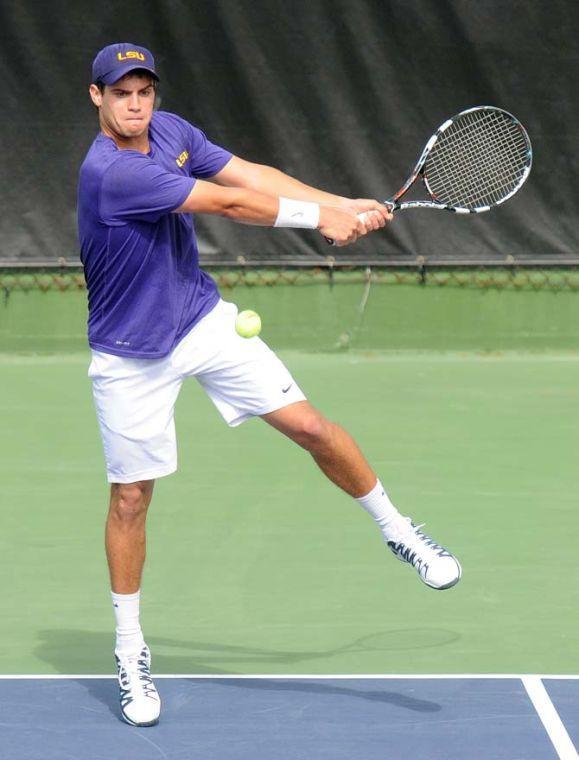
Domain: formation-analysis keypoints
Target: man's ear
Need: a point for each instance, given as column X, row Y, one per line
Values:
column 95, row 95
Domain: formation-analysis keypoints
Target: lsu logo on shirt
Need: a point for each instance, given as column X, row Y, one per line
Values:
column 131, row 55
column 181, row 158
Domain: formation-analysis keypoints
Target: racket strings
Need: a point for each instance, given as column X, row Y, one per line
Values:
column 477, row 165
column 487, row 153
column 479, row 160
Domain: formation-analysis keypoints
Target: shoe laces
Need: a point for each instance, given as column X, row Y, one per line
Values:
column 137, row 667
column 417, row 548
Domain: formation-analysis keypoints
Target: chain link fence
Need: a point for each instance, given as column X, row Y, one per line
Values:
column 511, row 276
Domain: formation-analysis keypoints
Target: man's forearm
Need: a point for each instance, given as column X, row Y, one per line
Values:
column 250, row 206
column 270, row 181
column 267, row 179
column 275, row 199
column 290, row 187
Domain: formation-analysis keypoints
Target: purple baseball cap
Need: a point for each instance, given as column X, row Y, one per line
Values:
column 114, row 61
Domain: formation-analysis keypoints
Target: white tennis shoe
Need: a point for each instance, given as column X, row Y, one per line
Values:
column 435, row 565
column 140, row 703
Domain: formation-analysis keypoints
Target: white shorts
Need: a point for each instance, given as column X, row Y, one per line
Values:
column 135, row 398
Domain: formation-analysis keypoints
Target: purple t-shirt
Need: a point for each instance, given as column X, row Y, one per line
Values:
column 145, row 287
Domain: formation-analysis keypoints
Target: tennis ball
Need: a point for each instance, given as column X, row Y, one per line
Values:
column 248, row 324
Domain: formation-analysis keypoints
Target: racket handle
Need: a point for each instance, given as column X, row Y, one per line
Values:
column 361, row 217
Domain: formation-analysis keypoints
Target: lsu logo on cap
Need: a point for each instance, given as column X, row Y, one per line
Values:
column 131, row 55
column 181, row 158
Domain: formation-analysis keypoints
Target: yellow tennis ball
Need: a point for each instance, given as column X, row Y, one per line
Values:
column 248, row 324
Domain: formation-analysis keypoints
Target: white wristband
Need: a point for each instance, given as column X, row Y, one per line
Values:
column 299, row 214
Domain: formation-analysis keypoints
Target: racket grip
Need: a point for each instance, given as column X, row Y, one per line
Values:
column 361, row 217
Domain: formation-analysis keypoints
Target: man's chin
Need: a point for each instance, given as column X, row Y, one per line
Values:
column 135, row 129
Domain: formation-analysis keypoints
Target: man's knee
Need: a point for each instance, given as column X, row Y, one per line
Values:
column 129, row 501
column 313, row 432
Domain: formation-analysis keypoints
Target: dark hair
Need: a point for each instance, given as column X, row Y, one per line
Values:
column 141, row 73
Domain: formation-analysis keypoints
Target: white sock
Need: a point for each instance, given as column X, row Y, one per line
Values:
column 128, row 628
column 385, row 514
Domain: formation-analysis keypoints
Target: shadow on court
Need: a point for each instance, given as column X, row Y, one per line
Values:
column 105, row 691
column 73, row 651
column 398, row 699
column 88, row 652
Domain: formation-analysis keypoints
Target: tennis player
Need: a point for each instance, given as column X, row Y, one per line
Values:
column 155, row 318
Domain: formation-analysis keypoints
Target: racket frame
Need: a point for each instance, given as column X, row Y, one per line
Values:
column 418, row 171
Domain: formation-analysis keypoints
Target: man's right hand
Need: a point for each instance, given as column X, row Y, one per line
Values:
column 339, row 225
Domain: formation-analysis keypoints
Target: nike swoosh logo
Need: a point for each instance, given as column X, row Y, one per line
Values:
column 285, row 390
column 297, row 213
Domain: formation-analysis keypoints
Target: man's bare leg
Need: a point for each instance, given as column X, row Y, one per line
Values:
column 126, row 546
column 125, row 542
column 332, row 447
column 339, row 457
column 125, row 534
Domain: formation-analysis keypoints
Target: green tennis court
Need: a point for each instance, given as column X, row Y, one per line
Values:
column 464, row 399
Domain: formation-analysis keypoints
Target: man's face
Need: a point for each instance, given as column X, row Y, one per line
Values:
column 126, row 107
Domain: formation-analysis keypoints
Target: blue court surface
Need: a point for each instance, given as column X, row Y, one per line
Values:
column 296, row 718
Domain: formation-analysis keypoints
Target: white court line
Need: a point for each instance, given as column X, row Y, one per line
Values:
column 310, row 676
column 550, row 718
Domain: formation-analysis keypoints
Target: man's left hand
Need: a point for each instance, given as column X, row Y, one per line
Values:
column 376, row 214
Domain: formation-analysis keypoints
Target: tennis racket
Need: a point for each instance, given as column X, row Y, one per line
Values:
column 475, row 161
